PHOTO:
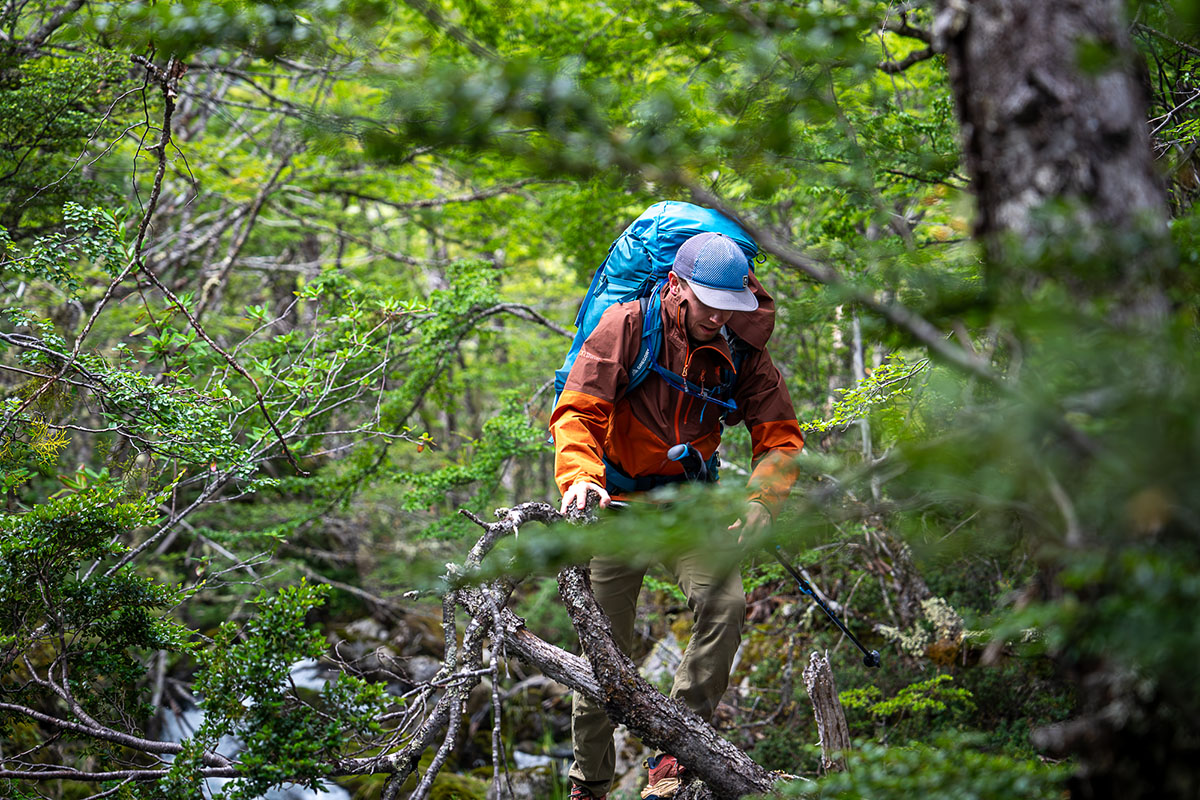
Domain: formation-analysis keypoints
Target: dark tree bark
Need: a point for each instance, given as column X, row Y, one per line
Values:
column 1036, row 127
column 658, row 721
column 1039, row 127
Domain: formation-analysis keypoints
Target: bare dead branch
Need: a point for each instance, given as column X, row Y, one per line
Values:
column 402, row 258
column 915, row 57
column 438, row 202
column 526, row 313
column 57, row 18
column 610, row 677
column 212, row 287
column 1187, row 48
column 107, row 734
column 901, row 27
column 374, row 599
column 437, row 20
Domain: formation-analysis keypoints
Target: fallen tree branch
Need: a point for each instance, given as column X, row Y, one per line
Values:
column 660, row 722
column 895, row 67
column 610, row 678
column 725, row 771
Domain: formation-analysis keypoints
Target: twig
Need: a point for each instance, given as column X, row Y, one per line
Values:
column 169, row 87
column 1182, row 45
column 527, row 313
column 110, row 792
column 212, row 286
column 437, row 20
column 258, row 395
column 456, row 715
column 382, row 602
column 915, row 57
column 109, row 735
column 438, row 202
column 498, row 758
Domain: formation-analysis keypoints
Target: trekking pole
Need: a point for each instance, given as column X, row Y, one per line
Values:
column 870, row 657
column 689, row 458
column 695, row 469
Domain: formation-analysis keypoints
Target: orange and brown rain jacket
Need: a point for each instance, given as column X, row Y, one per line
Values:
column 595, row 418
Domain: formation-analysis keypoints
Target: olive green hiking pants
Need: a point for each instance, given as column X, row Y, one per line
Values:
column 718, row 602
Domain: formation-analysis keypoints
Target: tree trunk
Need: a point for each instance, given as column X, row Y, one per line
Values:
column 1037, row 127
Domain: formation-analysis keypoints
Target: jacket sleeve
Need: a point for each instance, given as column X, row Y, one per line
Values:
column 579, row 423
column 766, row 407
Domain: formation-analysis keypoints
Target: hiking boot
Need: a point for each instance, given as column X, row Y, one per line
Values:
column 665, row 778
column 579, row 792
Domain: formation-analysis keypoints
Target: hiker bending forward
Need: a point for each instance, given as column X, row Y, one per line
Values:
column 714, row 314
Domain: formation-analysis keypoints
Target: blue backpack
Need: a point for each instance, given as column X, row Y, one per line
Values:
column 634, row 269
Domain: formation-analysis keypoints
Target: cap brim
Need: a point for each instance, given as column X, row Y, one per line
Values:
column 724, row 299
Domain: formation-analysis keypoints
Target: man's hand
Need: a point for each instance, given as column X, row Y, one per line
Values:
column 755, row 521
column 577, row 494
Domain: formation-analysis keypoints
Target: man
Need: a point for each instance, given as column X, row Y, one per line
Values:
column 615, row 443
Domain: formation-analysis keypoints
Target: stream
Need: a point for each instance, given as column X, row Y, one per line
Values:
column 176, row 727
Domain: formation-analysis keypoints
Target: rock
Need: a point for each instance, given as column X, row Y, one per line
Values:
column 419, row 633
column 658, row 668
column 366, row 629
column 525, row 760
column 420, row 669
column 527, row 784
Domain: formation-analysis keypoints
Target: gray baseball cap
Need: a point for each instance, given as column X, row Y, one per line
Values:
column 717, row 270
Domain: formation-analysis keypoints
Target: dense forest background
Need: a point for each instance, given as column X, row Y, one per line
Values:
column 283, row 286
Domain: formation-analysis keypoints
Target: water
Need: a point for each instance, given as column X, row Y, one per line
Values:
column 177, row 727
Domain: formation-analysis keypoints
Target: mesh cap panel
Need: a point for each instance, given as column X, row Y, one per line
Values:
column 713, row 260
column 717, row 271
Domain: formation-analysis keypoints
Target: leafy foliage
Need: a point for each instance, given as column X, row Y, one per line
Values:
column 87, row 632
column 929, row 697
column 371, row 219
column 951, row 768
column 246, row 689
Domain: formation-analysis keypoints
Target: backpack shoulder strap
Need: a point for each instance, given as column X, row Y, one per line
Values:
column 738, row 349
column 651, row 306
